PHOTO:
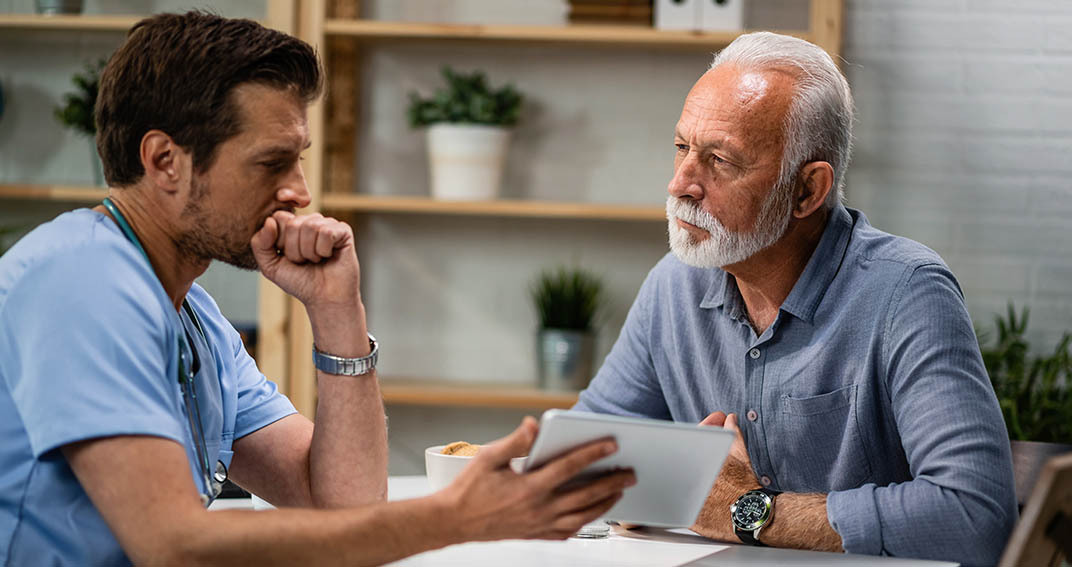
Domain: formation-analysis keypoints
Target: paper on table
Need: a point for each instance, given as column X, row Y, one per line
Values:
column 610, row 552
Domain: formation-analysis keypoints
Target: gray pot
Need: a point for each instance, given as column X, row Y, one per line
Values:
column 565, row 358
column 58, row 6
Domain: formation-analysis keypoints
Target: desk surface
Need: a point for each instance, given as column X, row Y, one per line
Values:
column 647, row 547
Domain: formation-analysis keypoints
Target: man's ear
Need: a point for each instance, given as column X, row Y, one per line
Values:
column 164, row 161
column 816, row 182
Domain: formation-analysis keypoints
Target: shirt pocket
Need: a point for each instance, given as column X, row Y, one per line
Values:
column 821, row 447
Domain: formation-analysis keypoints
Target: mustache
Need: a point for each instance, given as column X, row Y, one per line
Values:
column 690, row 212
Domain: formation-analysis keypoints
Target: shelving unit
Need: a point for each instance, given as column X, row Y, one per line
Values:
column 340, row 32
column 352, row 203
column 55, row 193
column 632, row 36
column 408, row 391
column 67, row 22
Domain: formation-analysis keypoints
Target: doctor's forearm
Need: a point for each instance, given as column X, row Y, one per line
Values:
column 348, row 453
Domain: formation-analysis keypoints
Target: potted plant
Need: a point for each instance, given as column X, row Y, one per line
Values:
column 76, row 112
column 468, row 126
column 566, row 302
column 1035, row 393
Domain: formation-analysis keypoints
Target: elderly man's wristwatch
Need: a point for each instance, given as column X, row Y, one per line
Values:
column 332, row 364
column 753, row 511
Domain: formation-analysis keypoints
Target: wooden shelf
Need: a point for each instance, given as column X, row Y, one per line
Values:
column 73, row 22
column 57, row 193
column 569, row 34
column 407, row 391
column 350, row 202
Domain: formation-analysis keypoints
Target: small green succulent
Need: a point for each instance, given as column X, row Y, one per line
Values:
column 467, row 99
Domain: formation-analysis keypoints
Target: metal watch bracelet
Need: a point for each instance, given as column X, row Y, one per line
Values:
column 341, row 366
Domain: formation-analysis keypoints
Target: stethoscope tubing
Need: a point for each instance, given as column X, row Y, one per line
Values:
column 186, row 380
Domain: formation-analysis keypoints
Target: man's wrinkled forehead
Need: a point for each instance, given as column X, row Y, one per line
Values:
column 746, row 88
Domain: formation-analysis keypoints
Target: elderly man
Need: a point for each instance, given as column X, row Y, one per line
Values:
column 842, row 354
column 126, row 397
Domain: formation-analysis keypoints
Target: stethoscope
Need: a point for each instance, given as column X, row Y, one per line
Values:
column 188, row 358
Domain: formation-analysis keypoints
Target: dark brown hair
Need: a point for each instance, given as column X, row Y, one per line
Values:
column 176, row 72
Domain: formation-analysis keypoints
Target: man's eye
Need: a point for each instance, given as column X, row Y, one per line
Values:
column 274, row 165
column 718, row 159
column 682, row 147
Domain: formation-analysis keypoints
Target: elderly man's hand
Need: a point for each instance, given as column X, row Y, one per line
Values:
column 735, row 479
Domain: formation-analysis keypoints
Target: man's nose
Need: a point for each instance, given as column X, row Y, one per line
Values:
column 295, row 191
column 687, row 181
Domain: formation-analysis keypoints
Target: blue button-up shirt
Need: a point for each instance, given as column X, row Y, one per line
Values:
column 868, row 386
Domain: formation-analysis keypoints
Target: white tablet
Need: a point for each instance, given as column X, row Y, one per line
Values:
column 676, row 464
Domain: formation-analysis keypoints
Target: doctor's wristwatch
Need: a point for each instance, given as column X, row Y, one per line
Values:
column 753, row 511
column 332, row 364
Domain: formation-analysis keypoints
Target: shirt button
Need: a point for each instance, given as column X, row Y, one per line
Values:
column 752, row 415
column 754, row 353
column 764, row 480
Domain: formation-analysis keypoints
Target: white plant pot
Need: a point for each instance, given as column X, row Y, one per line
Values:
column 466, row 160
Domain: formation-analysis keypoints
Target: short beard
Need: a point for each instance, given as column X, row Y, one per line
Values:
column 723, row 247
column 213, row 237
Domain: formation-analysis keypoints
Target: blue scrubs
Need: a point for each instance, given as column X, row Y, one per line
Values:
column 88, row 349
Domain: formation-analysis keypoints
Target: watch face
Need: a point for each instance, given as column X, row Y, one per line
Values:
column 751, row 510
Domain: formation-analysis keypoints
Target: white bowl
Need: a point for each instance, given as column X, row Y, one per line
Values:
column 441, row 469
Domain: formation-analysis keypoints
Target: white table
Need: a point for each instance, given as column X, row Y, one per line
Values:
column 646, row 547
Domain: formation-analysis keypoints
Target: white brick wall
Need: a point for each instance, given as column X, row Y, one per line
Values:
column 964, row 142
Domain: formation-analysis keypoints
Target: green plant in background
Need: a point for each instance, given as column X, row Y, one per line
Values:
column 567, row 298
column 6, row 233
column 467, row 99
column 77, row 109
column 1035, row 392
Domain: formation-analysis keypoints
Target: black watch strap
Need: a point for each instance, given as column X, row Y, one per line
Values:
column 747, row 538
column 769, row 491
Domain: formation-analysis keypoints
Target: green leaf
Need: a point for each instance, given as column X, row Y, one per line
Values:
column 467, row 98
column 77, row 109
column 567, row 298
column 1033, row 391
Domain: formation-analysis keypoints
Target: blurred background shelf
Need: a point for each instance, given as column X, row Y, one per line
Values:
column 570, row 34
column 500, row 208
column 56, row 193
column 427, row 392
column 68, row 22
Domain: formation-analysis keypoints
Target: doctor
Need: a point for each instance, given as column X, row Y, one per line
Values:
column 126, row 397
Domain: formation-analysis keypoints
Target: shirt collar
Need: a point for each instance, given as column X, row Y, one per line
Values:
column 808, row 292
column 824, row 264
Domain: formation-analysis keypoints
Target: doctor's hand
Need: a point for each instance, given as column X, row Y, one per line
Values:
column 489, row 501
column 311, row 257
column 735, row 478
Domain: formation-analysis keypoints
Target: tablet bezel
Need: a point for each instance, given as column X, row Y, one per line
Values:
column 676, row 463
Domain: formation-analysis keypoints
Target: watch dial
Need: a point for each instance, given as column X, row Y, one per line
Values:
column 751, row 511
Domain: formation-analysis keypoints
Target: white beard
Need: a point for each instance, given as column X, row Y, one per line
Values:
column 724, row 247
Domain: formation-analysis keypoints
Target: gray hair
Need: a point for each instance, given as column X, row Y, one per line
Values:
column 818, row 126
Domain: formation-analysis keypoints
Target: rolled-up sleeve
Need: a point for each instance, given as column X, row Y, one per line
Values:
column 960, row 504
